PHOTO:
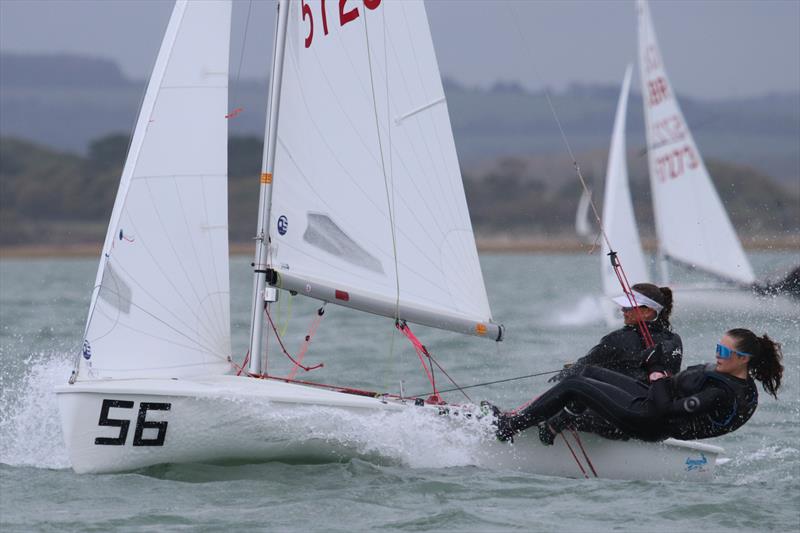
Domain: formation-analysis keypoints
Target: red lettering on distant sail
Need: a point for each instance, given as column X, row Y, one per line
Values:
column 658, row 91
column 674, row 163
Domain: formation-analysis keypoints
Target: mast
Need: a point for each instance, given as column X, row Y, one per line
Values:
column 265, row 192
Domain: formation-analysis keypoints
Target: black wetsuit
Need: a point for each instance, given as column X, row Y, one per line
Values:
column 622, row 351
column 697, row 403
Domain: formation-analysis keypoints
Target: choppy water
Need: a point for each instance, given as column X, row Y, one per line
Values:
column 419, row 482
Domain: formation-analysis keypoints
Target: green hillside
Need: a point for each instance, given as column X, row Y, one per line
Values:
column 48, row 196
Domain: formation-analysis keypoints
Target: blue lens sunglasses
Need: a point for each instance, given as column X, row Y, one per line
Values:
column 723, row 352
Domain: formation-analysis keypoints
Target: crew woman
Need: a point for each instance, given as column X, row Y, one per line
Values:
column 623, row 350
column 702, row 401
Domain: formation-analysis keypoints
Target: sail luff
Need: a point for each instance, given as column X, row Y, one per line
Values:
column 136, row 144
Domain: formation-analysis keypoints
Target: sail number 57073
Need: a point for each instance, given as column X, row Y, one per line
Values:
column 346, row 14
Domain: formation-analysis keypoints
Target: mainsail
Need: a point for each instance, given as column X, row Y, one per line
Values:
column 692, row 224
column 368, row 207
column 161, row 301
column 619, row 223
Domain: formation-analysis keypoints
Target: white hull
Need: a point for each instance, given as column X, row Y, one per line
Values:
column 228, row 418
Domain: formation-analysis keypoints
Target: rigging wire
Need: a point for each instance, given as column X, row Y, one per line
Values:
column 487, row 383
column 244, row 40
column 613, row 256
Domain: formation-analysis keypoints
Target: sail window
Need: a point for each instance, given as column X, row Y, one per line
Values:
column 325, row 234
column 114, row 291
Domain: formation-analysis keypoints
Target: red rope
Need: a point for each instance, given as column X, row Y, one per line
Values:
column 626, row 288
column 420, row 350
column 307, row 342
column 585, row 455
column 573, row 455
column 285, row 351
column 244, row 363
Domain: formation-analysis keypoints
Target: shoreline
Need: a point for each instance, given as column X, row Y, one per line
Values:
column 493, row 244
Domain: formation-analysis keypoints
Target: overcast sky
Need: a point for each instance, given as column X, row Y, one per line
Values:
column 712, row 49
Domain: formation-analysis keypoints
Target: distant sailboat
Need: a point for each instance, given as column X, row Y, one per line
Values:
column 619, row 223
column 692, row 225
column 361, row 205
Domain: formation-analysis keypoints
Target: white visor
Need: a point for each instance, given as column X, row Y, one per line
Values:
column 641, row 299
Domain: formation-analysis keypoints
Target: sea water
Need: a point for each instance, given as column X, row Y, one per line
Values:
column 410, row 477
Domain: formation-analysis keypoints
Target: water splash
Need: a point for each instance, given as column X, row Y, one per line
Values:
column 30, row 426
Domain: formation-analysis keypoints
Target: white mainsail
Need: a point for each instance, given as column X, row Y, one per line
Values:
column 619, row 222
column 160, row 307
column 368, row 207
column 692, row 224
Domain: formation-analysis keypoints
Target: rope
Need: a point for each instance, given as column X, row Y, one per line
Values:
column 614, row 259
column 583, row 450
column 420, row 350
column 244, row 40
column 307, row 342
column 285, row 351
column 574, row 456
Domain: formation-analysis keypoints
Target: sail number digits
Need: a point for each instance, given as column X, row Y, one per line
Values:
column 141, row 423
column 675, row 162
column 346, row 14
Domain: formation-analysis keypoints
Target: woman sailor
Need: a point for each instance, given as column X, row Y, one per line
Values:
column 702, row 401
column 623, row 351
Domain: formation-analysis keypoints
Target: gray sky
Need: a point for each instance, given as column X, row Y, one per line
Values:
column 712, row 49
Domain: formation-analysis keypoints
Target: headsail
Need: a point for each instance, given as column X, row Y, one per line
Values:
column 161, row 301
column 619, row 223
column 368, row 206
column 692, row 224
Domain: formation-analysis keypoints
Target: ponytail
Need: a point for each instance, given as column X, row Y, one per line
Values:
column 667, row 311
column 662, row 295
column 765, row 361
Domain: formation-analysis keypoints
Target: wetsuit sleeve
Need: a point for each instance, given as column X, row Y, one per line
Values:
column 664, row 404
column 673, row 353
column 599, row 355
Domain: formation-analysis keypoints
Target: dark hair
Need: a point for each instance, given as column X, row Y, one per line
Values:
column 662, row 295
column 765, row 363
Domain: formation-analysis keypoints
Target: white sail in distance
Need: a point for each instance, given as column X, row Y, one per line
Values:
column 619, row 222
column 692, row 224
column 160, row 307
column 368, row 206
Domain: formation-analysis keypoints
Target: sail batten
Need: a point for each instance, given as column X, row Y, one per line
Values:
column 691, row 222
column 362, row 200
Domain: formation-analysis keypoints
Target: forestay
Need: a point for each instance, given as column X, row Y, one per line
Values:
column 693, row 227
column 619, row 223
column 368, row 206
column 161, row 301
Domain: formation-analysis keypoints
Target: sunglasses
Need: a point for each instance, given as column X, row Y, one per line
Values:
column 723, row 352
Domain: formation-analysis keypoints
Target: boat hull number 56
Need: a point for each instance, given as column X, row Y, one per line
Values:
column 141, row 423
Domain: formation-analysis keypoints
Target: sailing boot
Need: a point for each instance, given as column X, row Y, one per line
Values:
column 554, row 425
column 502, row 422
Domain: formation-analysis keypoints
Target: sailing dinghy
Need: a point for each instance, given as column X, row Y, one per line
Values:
column 692, row 226
column 361, row 205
